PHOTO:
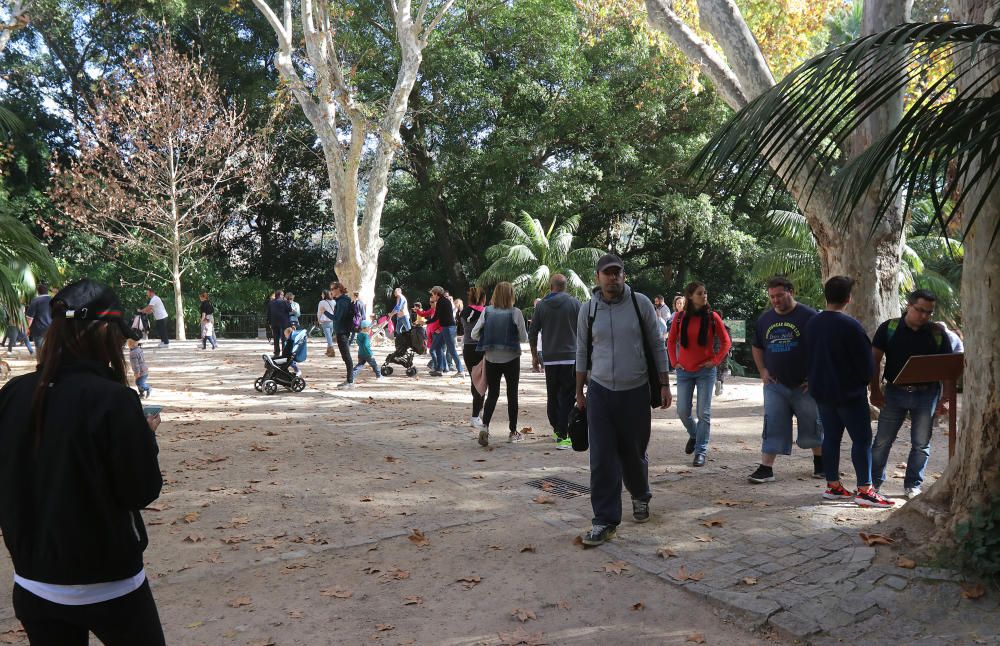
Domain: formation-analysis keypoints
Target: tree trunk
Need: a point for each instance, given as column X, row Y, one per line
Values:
column 175, row 270
column 742, row 76
column 972, row 477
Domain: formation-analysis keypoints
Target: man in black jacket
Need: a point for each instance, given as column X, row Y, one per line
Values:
column 555, row 317
column 279, row 316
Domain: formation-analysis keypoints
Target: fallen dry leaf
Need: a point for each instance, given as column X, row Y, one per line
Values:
column 704, row 539
column 522, row 614
column 527, row 429
column 412, row 601
column 732, row 503
column 666, row 553
column 564, row 605
column 157, row 506
column 194, row 538
column 240, row 601
column 906, row 563
column 528, row 548
column 296, row 614
column 390, row 458
column 395, row 575
column 258, row 447
column 542, row 499
column 418, row 538
column 365, row 499
column 712, row 523
column 696, row 638
column 337, row 593
column 875, row 539
column 683, row 575
column 469, row 582
column 973, row 590
column 638, row 606
column 14, row 636
column 194, row 624
column 520, row 637
column 384, row 627
column 547, row 486
column 191, row 517
column 578, row 540
column 749, row 580
column 614, row 567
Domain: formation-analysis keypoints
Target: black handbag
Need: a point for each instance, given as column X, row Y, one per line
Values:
column 577, row 427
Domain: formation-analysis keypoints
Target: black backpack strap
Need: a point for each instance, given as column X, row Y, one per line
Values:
column 590, row 333
column 642, row 328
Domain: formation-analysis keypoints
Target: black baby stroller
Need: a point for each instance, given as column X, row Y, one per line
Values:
column 283, row 370
column 408, row 344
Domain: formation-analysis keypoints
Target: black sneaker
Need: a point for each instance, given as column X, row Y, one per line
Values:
column 699, row 460
column 599, row 534
column 818, row 471
column 689, row 447
column 761, row 475
column 640, row 511
column 435, row 373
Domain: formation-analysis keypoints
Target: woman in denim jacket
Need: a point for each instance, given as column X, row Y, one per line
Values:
column 500, row 332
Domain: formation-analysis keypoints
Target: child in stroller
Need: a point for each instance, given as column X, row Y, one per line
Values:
column 408, row 343
column 284, row 370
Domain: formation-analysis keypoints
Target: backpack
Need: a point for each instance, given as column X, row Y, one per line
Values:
column 418, row 339
column 299, row 345
column 936, row 332
column 359, row 314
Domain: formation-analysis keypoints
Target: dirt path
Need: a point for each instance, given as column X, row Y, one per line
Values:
column 328, row 517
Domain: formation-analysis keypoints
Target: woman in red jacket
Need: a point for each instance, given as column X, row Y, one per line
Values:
column 697, row 344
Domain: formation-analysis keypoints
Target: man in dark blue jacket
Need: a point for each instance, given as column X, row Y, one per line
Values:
column 840, row 365
column 279, row 314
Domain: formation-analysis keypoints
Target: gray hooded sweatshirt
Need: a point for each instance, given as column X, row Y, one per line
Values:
column 556, row 318
column 619, row 361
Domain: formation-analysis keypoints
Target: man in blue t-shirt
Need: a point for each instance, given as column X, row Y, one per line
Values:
column 779, row 351
column 899, row 339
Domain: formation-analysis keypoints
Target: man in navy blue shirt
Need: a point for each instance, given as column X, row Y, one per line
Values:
column 840, row 365
column 779, row 353
column 898, row 340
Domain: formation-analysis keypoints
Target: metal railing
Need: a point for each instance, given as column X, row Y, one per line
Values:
column 242, row 326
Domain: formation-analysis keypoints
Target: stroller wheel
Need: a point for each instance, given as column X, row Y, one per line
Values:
column 298, row 384
column 411, row 371
column 386, row 370
column 270, row 386
column 259, row 384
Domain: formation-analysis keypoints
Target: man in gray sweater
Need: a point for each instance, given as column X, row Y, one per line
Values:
column 611, row 347
column 555, row 317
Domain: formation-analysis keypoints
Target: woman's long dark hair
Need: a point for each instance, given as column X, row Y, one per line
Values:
column 68, row 341
column 689, row 310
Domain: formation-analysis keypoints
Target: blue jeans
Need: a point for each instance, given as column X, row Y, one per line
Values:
column 444, row 342
column 361, row 364
column 780, row 403
column 855, row 418
column 328, row 333
column 141, row 384
column 704, row 379
column 920, row 405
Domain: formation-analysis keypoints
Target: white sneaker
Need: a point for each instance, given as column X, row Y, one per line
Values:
column 718, row 388
column 459, row 374
column 912, row 492
column 476, row 422
column 515, row 436
column 347, row 385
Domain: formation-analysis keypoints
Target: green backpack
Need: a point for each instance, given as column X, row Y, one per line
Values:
column 936, row 332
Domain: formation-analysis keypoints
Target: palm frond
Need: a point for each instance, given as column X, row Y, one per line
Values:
column 534, row 231
column 10, row 123
column 799, row 125
column 791, row 225
column 576, row 286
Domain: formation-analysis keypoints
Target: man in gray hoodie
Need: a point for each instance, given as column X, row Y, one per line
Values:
column 555, row 317
column 611, row 347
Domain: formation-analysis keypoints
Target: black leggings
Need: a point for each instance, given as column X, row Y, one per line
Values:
column 471, row 356
column 127, row 620
column 344, row 344
column 511, row 372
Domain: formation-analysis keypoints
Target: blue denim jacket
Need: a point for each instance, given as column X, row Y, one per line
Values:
column 499, row 331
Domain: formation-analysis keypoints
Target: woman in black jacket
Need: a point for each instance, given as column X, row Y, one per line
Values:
column 77, row 463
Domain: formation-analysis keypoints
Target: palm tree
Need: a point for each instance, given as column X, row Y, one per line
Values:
column 945, row 147
column 22, row 259
column 530, row 254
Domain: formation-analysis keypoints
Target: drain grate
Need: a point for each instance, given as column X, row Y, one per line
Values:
column 559, row 487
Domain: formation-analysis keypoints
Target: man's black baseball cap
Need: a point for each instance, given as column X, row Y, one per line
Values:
column 609, row 260
column 89, row 300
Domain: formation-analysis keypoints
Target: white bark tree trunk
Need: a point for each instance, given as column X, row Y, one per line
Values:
column 346, row 128
column 972, row 477
column 740, row 74
column 17, row 13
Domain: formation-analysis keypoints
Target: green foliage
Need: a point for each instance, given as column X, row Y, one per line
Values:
column 530, row 255
column 978, row 542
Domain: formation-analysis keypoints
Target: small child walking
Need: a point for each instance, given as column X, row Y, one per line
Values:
column 139, row 368
column 365, row 351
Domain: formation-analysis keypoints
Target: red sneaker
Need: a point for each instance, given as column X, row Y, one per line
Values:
column 837, row 492
column 872, row 498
